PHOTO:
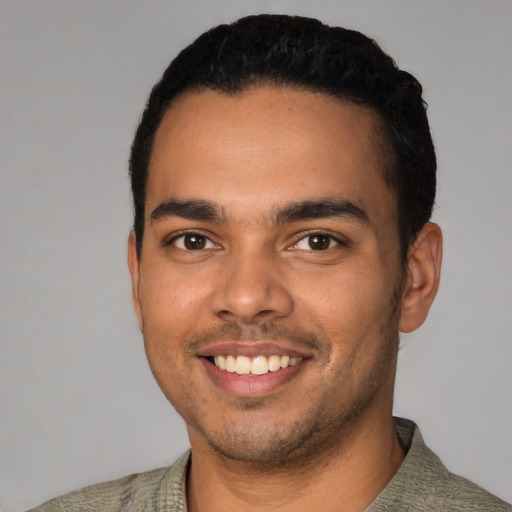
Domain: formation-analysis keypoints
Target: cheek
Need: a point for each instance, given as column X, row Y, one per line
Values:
column 345, row 302
column 169, row 298
column 167, row 316
column 355, row 317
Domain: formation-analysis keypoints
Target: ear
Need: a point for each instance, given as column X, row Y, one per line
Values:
column 134, row 267
column 422, row 280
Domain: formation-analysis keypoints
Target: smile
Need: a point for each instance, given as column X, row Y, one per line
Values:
column 260, row 365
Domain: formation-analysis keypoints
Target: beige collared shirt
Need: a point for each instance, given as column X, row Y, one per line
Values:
column 422, row 484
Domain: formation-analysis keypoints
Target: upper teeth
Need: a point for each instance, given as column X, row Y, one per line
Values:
column 260, row 365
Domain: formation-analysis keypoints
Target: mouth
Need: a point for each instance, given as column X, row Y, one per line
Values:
column 254, row 366
column 252, row 370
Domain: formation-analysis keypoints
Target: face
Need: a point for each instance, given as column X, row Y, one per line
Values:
column 269, row 282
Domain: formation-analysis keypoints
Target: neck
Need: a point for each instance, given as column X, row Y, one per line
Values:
column 347, row 477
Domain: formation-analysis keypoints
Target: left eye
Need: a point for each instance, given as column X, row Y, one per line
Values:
column 316, row 242
column 192, row 242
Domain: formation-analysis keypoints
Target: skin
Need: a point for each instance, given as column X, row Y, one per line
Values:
column 324, row 435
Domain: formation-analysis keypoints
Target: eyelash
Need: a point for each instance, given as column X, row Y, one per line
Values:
column 174, row 239
column 331, row 240
column 307, row 238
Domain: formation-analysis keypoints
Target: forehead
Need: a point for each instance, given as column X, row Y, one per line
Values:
column 265, row 146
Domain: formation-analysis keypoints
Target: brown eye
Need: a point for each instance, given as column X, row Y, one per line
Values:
column 319, row 242
column 194, row 241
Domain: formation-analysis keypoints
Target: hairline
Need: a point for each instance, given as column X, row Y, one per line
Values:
column 380, row 139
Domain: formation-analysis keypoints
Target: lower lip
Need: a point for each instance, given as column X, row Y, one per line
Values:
column 251, row 385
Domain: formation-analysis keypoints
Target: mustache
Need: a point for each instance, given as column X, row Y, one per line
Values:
column 264, row 331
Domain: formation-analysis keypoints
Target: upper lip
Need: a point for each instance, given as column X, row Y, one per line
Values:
column 250, row 349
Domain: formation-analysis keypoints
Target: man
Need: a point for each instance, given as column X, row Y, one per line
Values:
column 283, row 177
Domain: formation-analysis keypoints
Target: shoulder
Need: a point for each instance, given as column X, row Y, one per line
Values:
column 116, row 495
column 134, row 493
column 424, row 484
column 458, row 493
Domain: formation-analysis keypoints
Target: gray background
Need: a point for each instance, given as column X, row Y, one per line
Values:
column 78, row 402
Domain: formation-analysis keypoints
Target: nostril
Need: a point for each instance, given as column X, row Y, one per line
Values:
column 265, row 312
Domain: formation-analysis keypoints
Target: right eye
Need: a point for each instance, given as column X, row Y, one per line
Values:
column 316, row 242
column 192, row 242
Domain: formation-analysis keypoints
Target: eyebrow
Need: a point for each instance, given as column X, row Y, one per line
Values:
column 193, row 209
column 319, row 208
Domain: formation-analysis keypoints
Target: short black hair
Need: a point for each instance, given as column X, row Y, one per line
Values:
column 303, row 53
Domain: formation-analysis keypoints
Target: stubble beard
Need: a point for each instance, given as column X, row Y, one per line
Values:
column 301, row 444
column 276, row 448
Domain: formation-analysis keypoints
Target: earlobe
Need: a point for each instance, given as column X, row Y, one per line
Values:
column 423, row 274
column 133, row 265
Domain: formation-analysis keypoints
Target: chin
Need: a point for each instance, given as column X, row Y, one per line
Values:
column 277, row 444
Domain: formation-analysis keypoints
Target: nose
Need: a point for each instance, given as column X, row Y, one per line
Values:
column 251, row 290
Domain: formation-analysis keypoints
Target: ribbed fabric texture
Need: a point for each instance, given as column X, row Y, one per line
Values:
column 422, row 484
column 158, row 490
